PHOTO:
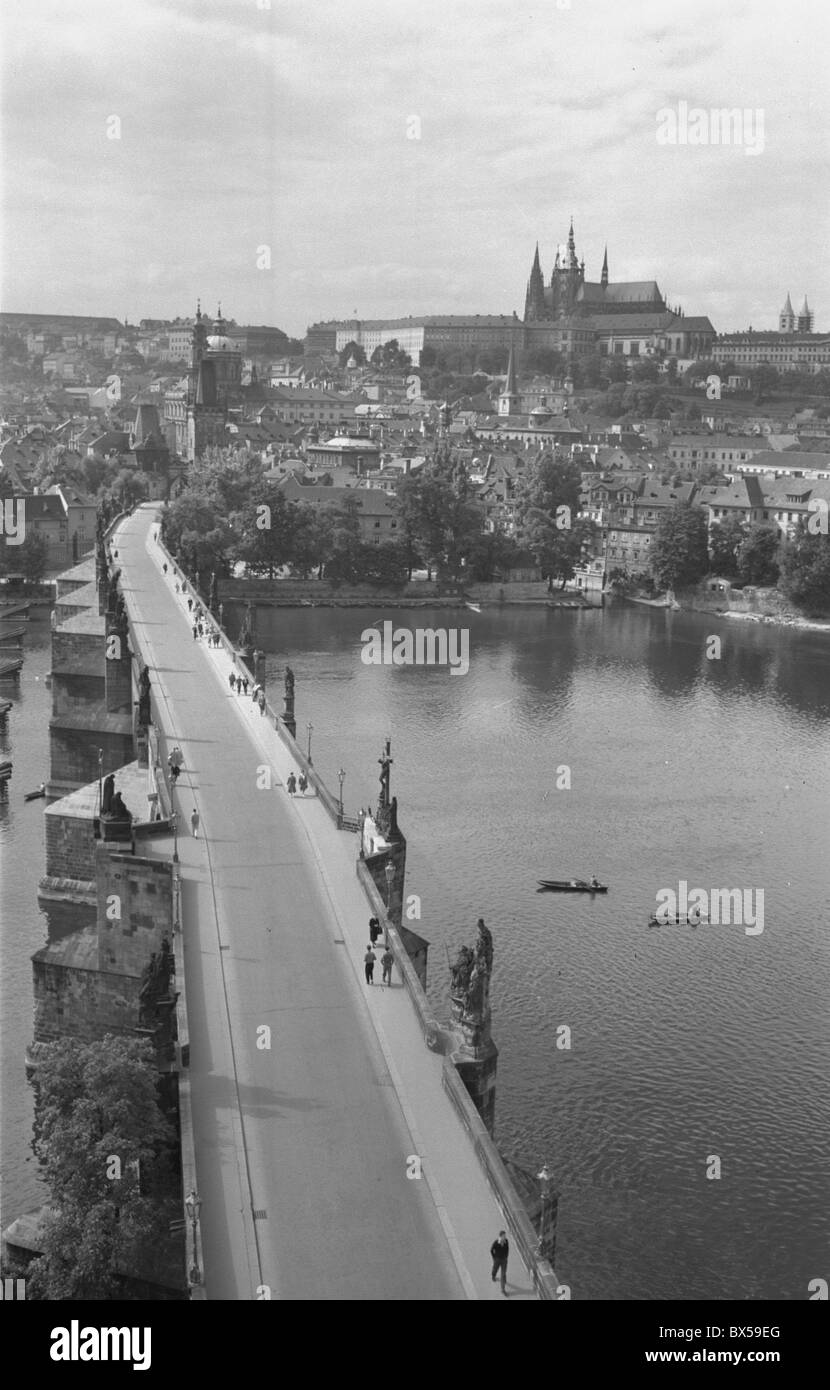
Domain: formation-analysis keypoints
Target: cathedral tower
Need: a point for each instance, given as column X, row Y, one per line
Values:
column 786, row 319
column 535, row 297
column 805, row 318
column 567, row 278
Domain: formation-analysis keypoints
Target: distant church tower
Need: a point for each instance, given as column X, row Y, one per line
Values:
column 786, row 319
column 566, row 280
column 805, row 318
column 535, row 297
column 510, row 402
column 604, row 279
column 214, row 383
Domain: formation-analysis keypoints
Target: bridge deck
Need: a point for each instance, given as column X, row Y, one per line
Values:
column 315, row 1131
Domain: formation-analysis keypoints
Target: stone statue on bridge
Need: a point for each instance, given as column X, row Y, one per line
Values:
column 155, row 985
column 144, row 716
column 470, row 982
column 112, row 592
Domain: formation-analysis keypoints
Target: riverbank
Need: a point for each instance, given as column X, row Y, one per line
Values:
column 766, row 606
column 318, row 593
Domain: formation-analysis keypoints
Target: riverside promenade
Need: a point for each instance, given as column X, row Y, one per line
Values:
column 302, row 1147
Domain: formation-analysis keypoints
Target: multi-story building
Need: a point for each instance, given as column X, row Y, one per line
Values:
column 63, row 517
column 312, row 406
column 697, row 453
column 793, row 463
column 377, row 511
column 784, row 502
column 786, row 352
column 443, row 332
column 360, row 455
column 570, row 314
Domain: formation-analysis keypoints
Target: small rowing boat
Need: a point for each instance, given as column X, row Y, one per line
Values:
column 678, row 920
column 571, row 885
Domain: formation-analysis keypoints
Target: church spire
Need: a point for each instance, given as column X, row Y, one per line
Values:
column 509, row 399
column 604, row 277
column 510, row 383
column 535, row 297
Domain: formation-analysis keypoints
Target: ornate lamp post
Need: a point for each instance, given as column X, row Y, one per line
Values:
column 174, row 825
column 341, row 777
column 193, row 1204
column 310, row 727
column 390, row 878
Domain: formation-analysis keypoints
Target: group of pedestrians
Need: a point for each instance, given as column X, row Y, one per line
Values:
column 387, row 960
column 292, row 784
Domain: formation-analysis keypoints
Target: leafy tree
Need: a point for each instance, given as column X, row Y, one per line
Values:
column 390, row 357
column 805, row 571
column 589, row 370
column 546, row 361
column 310, row 538
column 265, row 527
column 128, row 487
column 32, row 557
column 490, row 556
column 646, row 370
column 679, row 553
column 97, row 1102
column 547, row 503
column 615, row 369
column 352, row 349
column 725, row 540
column 491, row 361
column 764, row 381
column 198, row 533
column 13, row 349
column 440, row 515
column 614, row 398
column 758, row 556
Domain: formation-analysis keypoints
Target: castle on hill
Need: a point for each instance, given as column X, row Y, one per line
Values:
column 627, row 318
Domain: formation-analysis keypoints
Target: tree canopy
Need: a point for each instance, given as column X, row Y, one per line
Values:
column 679, row 552
column 107, row 1154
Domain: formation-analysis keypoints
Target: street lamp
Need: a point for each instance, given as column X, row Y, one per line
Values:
column 341, row 777
column 193, row 1204
column 390, row 876
column 309, row 726
column 174, row 824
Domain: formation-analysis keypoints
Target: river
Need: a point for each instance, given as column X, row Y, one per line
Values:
column 686, row 1046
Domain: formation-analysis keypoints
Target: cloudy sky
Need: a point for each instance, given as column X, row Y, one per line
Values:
column 306, row 159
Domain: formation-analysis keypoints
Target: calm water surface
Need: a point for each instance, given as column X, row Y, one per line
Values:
column 685, row 1044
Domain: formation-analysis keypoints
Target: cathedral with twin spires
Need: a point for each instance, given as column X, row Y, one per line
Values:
column 570, row 294
column 629, row 318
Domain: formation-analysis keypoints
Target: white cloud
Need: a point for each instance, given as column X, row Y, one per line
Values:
column 289, row 126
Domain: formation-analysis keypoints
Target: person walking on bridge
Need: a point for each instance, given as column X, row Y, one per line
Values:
column 194, row 823
column 369, row 965
column 499, row 1250
column 387, row 960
